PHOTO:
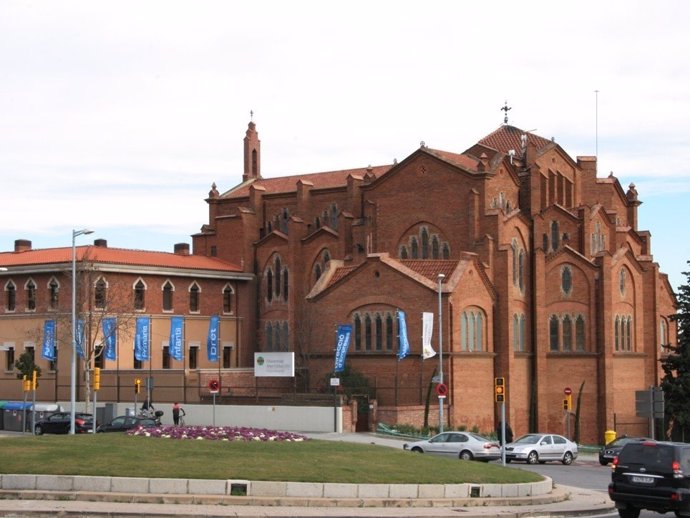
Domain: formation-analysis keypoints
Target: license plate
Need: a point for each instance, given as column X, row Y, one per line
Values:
column 637, row 479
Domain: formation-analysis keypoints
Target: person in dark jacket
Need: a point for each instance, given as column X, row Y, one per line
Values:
column 499, row 433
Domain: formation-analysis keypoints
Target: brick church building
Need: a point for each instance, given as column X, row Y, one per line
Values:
column 534, row 269
column 537, row 265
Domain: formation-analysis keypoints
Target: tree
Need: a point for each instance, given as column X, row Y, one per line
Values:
column 676, row 366
column 26, row 366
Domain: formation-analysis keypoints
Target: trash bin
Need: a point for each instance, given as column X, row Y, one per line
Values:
column 609, row 436
column 129, row 412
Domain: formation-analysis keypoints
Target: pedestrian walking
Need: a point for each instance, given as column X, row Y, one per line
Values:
column 177, row 412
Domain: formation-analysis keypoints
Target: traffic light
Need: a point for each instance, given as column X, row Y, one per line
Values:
column 34, row 380
column 96, row 378
column 137, row 386
column 567, row 402
column 500, row 389
column 26, row 384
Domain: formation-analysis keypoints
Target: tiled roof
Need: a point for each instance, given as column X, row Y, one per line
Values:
column 120, row 256
column 288, row 184
column 341, row 273
column 430, row 268
column 507, row 137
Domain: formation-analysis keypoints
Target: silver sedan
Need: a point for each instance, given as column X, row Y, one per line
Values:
column 541, row 447
column 461, row 445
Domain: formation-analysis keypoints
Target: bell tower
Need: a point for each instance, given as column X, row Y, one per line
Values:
column 252, row 152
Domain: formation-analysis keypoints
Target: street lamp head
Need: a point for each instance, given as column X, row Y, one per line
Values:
column 82, row 232
column 441, row 276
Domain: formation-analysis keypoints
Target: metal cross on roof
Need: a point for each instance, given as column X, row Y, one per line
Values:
column 505, row 109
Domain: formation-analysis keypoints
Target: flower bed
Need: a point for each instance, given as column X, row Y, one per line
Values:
column 216, row 433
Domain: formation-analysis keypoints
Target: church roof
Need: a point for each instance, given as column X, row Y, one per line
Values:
column 288, row 184
column 509, row 137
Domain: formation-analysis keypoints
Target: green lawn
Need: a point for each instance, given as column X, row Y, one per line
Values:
column 308, row 461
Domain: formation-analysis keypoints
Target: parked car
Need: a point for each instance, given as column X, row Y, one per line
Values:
column 127, row 422
column 651, row 475
column 462, row 445
column 541, row 447
column 59, row 422
column 608, row 452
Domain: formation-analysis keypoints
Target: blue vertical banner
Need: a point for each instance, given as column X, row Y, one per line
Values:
column 176, row 337
column 403, row 342
column 79, row 339
column 110, row 336
column 48, row 349
column 341, row 346
column 212, row 341
column 142, row 339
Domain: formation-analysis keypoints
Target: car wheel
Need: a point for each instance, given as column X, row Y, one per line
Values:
column 466, row 455
column 603, row 462
column 38, row 430
column 630, row 512
column 533, row 457
column 508, row 461
column 567, row 458
column 417, row 449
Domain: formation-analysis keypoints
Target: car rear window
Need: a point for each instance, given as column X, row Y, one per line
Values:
column 658, row 457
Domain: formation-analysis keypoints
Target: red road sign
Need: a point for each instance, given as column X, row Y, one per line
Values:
column 567, row 391
column 213, row 386
column 442, row 389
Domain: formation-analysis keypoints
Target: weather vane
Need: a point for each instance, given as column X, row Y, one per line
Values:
column 505, row 109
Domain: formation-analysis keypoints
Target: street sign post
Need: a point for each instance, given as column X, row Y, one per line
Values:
column 650, row 404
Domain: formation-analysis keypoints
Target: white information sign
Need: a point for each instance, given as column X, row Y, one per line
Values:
column 277, row 365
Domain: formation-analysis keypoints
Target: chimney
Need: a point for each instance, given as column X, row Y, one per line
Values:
column 22, row 245
column 182, row 248
column 103, row 243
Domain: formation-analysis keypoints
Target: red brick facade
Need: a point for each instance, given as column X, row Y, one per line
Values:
column 548, row 282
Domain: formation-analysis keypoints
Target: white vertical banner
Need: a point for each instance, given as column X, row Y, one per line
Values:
column 427, row 330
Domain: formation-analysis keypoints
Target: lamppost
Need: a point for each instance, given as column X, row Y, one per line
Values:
column 440, row 352
column 73, row 373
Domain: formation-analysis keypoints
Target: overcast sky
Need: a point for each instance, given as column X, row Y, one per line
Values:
column 119, row 115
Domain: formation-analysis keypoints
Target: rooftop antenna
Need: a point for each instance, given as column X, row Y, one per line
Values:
column 505, row 109
column 251, row 115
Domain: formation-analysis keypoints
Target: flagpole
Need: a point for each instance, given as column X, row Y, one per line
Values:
column 440, row 352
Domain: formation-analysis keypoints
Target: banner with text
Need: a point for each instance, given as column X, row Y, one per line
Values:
column 403, row 342
column 142, row 339
column 427, row 330
column 79, row 339
column 176, row 347
column 110, row 336
column 48, row 349
column 212, row 341
column 341, row 346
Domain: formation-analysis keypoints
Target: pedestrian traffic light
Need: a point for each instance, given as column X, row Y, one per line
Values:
column 26, row 384
column 500, row 389
column 96, row 378
column 34, row 380
column 567, row 402
column 137, row 386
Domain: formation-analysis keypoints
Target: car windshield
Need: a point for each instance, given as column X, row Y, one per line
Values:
column 528, row 439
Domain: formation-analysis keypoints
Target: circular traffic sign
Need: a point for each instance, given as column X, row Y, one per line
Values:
column 567, row 391
column 442, row 389
column 213, row 386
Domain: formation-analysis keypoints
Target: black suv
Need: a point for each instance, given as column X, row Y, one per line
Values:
column 651, row 475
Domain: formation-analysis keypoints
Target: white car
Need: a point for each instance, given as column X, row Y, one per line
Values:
column 541, row 447
column 460, row 445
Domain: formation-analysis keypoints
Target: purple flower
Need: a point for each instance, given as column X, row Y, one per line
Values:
column 217, row 433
